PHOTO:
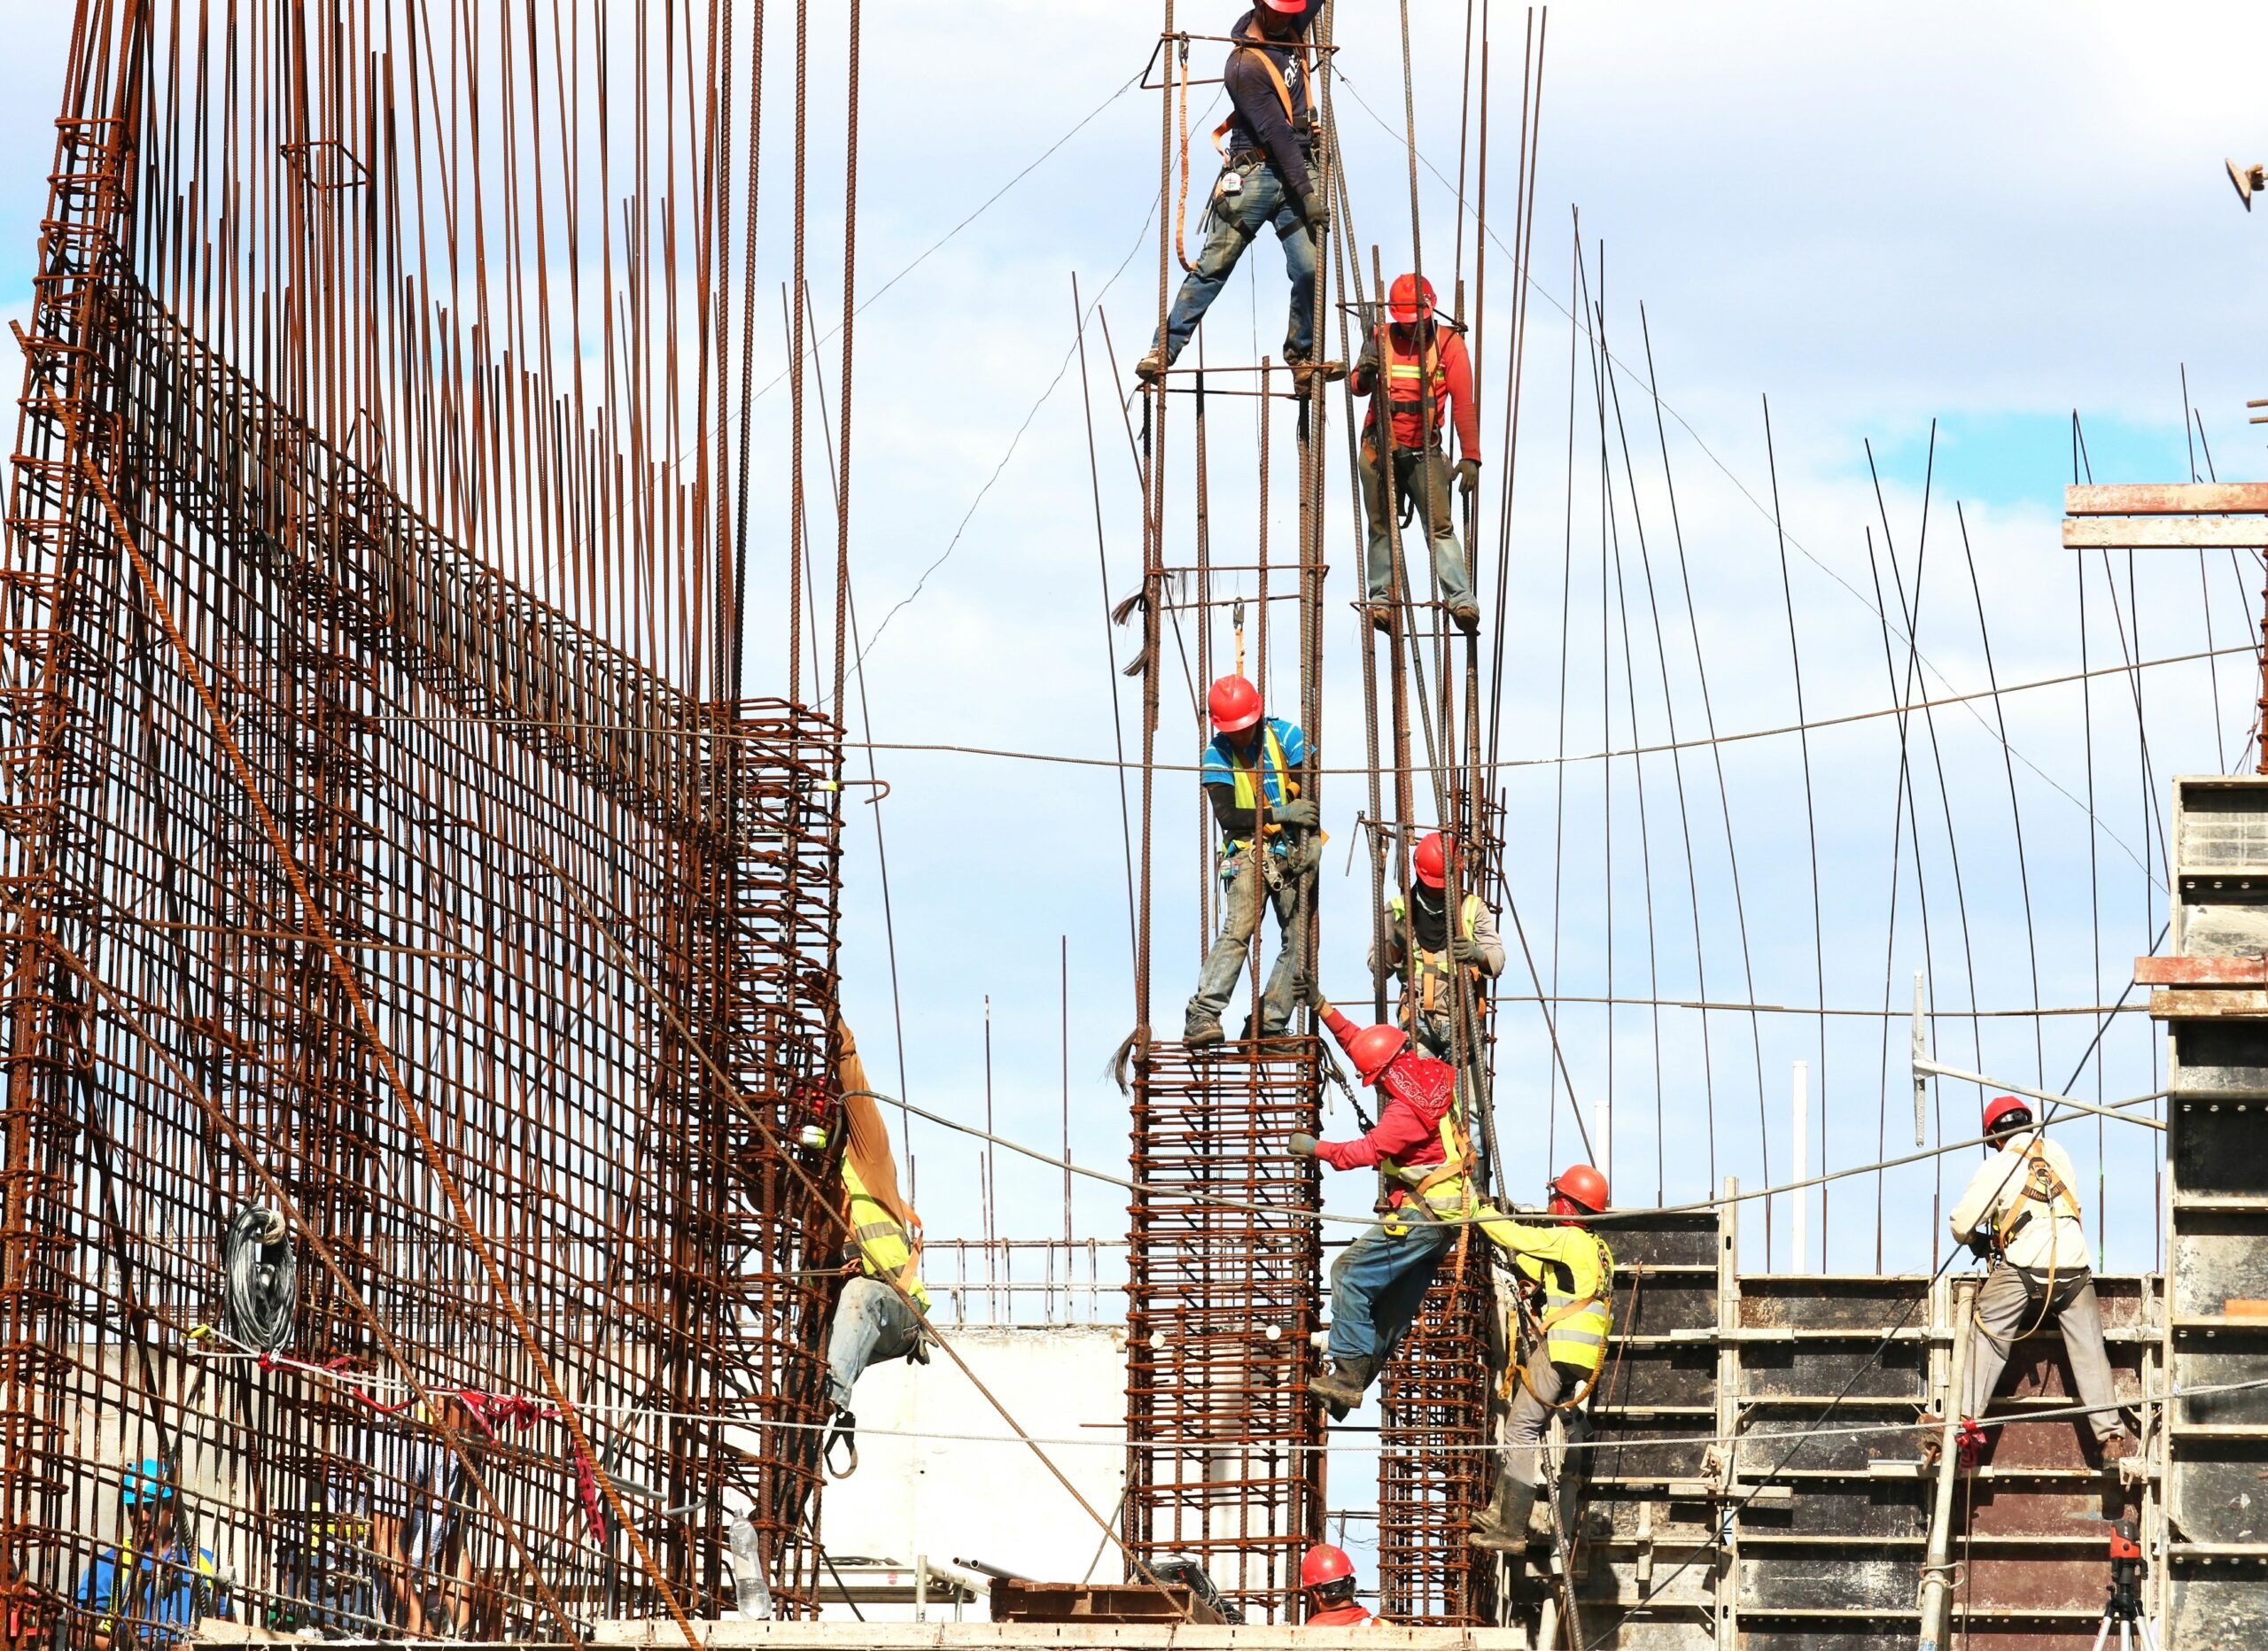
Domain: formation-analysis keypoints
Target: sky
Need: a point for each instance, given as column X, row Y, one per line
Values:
column 1887, row 219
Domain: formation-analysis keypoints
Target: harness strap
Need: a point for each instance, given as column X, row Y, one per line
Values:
column 1268, row 62
column 2042, row 1185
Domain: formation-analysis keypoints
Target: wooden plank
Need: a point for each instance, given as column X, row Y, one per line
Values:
column 2194, row 1003
column 2204, row 533
column 2201, row 971
column 2164, row 498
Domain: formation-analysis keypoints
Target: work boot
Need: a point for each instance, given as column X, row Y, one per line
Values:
column 1381, row 617
column 1151, row 368
column 1502, row 1526
column 1467, row 617
column 1345, row 1382
column 1201, row 1034
column 1303, row 373
column 2119, row 1446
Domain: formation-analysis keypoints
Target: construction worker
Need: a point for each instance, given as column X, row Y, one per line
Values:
column 1269, row 177
column 876, row 1318
column 1427, row 376
column 160, row 1583
column 1251, row 773
column 2019, row 1211
column 1380, row 1280
column 1567, row 1273
column 1328, row 1576
column 1428, row 1004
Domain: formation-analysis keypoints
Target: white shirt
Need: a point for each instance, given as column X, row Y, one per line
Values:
column 2003, row 1182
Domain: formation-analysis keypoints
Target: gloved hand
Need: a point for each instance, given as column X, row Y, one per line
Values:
column 1302, row 1144
column 1981, row 1247
column 1315, row 211
column 1304, row 812
column 1464, row 948
column 1468, row 476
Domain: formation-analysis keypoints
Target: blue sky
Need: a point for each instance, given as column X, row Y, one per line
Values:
column 1876, row 215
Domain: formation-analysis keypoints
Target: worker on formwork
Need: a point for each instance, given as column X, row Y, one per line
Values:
column 1328, row 1578
column 879, row 1315
column 1251, row 772
column 1567, row 1279
column 159, row 1584
column 1427, row 376
column 2019, row 1213
column 1270, row 175
column 1419, row 1143
column 1435, row 948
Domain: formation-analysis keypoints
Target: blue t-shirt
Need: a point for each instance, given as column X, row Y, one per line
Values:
column 161, row 1597
column 1219, row 764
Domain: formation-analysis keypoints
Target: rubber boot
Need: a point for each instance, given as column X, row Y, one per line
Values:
column 1345, row 1382
column 1502, row 1527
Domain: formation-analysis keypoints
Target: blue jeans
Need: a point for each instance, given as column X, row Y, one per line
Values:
column 1242, row 899
column 1378, row 1283
column 1235, row 220
column 872, row 1322
column 1382, row 505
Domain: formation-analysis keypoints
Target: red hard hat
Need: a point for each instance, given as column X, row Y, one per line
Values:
column 1284, row 5
column 2000, row 1106
column 1403, row 303
column 1374, row 1048
column 1430, row 863
column 1234, row 704
column 1325, row 1563
column 1579, row 1183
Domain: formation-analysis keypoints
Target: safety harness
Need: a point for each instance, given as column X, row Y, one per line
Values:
column 1249, row 781
column 1431, row 971
column 1410, row 379
column 886, row 1250
column 2041, row 1186
column 1256, row 44
column 1578, row 1323
column 1427, row 1179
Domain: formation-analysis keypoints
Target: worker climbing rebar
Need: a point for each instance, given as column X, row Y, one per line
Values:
column 1251, row 773
column 1427, row 962
column 1427, row 378
column 1270, row 175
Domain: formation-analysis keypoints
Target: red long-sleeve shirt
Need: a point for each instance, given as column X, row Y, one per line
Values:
column 1456, row 372
column 1419, row 1090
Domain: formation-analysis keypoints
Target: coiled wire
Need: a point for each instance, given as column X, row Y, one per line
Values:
column 261, row 1277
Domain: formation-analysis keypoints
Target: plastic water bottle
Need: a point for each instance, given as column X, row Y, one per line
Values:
column 754, row 1594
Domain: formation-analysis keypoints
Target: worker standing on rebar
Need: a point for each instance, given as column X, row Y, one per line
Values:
column 1269, row 176
column 1327, row 1578
column 2019, row 1210
column 876, row 1319
column 159, row 1584
column 1568, row 1275
column 1380, row 1280
column 1251, row 772
column 1428, row 379
column 1429, row 956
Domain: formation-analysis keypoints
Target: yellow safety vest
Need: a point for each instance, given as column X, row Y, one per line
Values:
column 1430, row 970
column 1444, row 1188
column 1249, row 782
column 1577, row 1279
column 883, row 1248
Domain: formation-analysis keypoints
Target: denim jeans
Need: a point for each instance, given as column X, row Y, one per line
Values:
column 1382, row 506
column 1378, row 1283
column 1235, row 220
column 1240, row 906
column 871, row 1323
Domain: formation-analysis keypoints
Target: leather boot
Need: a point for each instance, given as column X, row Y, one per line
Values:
column 1502, row 1527
column 1345, row 1382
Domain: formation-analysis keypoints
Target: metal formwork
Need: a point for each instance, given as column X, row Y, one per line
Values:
column 1224, row 1465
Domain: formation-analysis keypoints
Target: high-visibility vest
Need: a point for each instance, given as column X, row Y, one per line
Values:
column 159, row 1591
column 2041, row 1185
column 1249, row 781
column 884, row 1249
column 1430, row 971
column 1578, row 1303
column 1406, row 390
column 1444, row 1188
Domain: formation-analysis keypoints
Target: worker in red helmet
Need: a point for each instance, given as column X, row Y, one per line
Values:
column 2019, row 1211
column 1252, row 770
column 1270, row 175
column 1567, row 1273
column 1419, row 1143
column 1327, row 1577
column 1428, row 379
column 1418, row 942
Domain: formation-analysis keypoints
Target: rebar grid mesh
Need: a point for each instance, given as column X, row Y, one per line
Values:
column 1221, row 1311
column 1432, row 1395
column 592, row 922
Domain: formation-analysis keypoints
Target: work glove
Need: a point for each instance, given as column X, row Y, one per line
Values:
column 1305, row 812
column 1464, row 948
column 1302, row 1144
column 1981, row 1247
column 1314, row 210
column 1468, row 477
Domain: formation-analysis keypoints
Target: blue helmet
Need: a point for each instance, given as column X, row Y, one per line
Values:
column 147, row 1483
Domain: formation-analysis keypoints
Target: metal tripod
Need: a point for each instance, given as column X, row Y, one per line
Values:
column 2124, row 1606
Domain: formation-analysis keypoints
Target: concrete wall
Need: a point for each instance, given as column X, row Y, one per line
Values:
column 953, row 1499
